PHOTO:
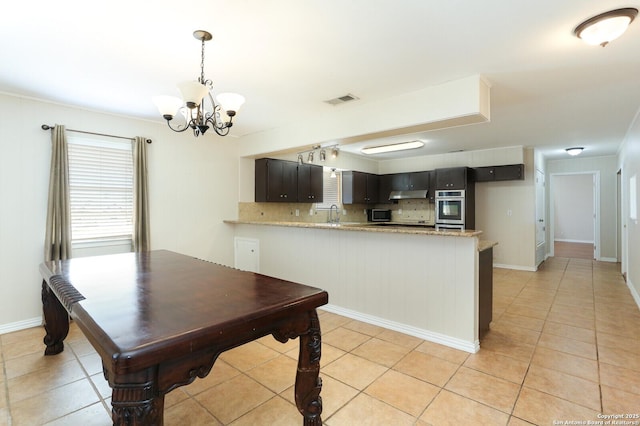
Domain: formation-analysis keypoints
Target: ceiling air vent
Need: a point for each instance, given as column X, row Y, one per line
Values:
column 342, row 99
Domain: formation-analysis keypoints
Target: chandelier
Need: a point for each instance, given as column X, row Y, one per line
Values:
column 197, row 109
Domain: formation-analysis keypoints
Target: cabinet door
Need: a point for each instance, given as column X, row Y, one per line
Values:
column 372, row 188
column 418, row 180
column 275, row 190
column 509, row 172
column 431, row 193
column 451, row 178
column 484, row 174
column 385, row 188
column 289, row 183
column 400, row 181
column 304, row 182
column 316, row 184
column 359, row 188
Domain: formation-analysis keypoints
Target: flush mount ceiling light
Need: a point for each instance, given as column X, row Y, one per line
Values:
column 576, row 150
column 197, row 110
column 608, row 26
column 391, row 148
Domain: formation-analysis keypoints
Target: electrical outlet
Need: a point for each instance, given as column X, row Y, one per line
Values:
column 399, row 211
column 297, row 212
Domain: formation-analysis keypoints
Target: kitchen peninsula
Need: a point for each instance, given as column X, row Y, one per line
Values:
column 415, row 280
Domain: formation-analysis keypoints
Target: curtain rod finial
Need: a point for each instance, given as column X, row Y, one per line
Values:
column 46, row 127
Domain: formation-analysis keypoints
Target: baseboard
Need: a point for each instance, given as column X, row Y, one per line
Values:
column 562, row 240
column 634, row 293
column 20, row 325
column 608, row 259
column 452, row 342
column 516, row 267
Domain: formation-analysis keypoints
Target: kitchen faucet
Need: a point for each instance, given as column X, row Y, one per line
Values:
column 330, row 218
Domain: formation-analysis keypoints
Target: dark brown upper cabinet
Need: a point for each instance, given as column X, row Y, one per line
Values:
column 499, row 173
column 310, row 187
column 452, row 178
column 360, row 188
column 276, row 181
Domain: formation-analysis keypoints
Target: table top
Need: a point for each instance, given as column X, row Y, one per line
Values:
column 135, row 304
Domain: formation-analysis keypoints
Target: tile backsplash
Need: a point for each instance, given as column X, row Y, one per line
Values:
column 403, row 211
column 416, row 210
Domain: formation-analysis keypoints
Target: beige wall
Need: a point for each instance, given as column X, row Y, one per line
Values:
column 630, row 165
column 193, row 185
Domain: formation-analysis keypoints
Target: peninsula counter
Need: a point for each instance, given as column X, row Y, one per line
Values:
column 418, row 281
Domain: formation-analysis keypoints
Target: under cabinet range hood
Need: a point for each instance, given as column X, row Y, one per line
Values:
column 408, row 195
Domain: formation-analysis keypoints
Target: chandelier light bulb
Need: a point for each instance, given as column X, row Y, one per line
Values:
column 198, row 110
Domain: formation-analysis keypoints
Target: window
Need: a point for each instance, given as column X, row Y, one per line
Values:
column 331, row 189
column 100, row 190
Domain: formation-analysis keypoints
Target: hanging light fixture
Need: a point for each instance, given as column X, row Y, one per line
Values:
column 197, row 109
column 608, row 26
column 323, row 155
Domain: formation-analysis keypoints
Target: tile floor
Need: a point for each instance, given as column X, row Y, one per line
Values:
column 564, row 345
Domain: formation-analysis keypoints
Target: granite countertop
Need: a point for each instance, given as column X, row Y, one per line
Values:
column 369, row 227
column 485, row 245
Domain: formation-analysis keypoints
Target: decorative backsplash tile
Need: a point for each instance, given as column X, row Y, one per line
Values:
column 404, row 211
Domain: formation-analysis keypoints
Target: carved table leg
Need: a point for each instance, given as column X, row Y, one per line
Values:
column 308, row 382
column 56, row 321
column 135, row 400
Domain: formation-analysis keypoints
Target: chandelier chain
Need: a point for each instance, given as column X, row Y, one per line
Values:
column 202, row 63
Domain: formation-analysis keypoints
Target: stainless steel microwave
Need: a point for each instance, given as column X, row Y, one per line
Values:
column 378, row 215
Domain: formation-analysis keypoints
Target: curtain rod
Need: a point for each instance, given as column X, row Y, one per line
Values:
column 47, row 127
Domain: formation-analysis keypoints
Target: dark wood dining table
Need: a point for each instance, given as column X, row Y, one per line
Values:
column 160, row 319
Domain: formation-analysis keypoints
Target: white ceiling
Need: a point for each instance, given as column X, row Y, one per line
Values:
column 548, row 89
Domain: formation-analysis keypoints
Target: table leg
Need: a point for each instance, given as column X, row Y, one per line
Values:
column 56, row 321
column 135, row 400
column 308, row 382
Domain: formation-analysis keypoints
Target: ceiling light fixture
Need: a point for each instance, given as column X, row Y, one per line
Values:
column 391, row 148
column 197, row 110
column 334, row 152
column 333, row 173
column 608, row 26
column 576, row 150
column 323, row 155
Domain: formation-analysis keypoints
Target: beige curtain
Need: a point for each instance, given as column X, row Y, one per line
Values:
column 57, row 241
column 141, row 240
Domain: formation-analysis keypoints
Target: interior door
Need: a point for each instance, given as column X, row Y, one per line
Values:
column 541, row 228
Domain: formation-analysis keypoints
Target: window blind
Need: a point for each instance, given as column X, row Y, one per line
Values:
column 101, row 189
column 331, row 187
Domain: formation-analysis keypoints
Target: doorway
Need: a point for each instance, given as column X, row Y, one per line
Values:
column 573, row 215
